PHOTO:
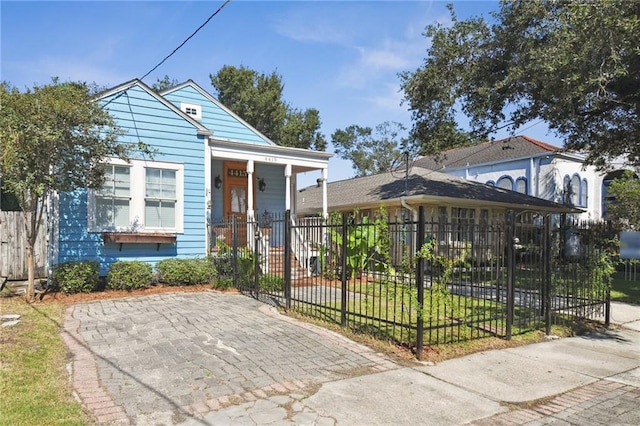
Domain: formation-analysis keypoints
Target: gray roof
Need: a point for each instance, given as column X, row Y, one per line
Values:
column 487, row 152
column 422, row 185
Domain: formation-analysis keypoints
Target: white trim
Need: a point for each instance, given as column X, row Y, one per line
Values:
column 287, row 187
column 239, row 151
column 208, row 199
column 192, row 110
column 200, row 129
column 196, row 87
column 137, row 195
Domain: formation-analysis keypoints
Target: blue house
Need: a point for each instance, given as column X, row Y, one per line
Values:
column 209, row 165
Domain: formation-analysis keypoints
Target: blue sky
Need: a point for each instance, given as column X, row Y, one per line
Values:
column 340, row 57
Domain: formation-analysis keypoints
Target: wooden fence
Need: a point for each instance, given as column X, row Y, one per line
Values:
column 13, row 243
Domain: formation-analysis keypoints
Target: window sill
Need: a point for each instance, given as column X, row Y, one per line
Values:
column 139, row 238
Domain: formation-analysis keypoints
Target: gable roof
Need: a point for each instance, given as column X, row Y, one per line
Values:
column 121, row 89
column 192, row 84
column 422, row 186
column 487, row 152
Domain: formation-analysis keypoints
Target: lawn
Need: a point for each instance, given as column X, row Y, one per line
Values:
column 625, row 290
column 34, row 382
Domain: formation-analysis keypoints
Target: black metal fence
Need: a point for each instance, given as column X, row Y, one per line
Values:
column 427, row 280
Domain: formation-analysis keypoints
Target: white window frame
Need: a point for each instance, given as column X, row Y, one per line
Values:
column 192, row 110
column 137, row 192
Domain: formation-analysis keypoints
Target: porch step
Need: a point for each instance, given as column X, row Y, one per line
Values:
column 277, row 260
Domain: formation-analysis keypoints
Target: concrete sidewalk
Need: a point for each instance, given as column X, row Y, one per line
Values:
column 212, row 359
column 591, row 380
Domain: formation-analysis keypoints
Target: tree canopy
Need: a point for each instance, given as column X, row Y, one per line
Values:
column 53, row 138
column 257, row 98
column 575, row 65
column 370, row 151
column 163, row 84
column 623, row 205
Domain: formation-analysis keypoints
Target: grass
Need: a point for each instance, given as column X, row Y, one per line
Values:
column 625, row 290
column 34, row 383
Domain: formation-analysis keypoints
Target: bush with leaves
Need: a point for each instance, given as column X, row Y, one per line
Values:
column 271, row 283
column 186, row 271
column 76, row 276
column 129, row 275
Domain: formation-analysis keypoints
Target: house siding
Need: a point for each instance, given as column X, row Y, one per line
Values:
column 146, row 119
column 223, row 125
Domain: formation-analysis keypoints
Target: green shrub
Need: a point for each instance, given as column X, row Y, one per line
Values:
column 129, row 275
column 270, row 282
column 76, row 276
column 224, row 265
column 186, row 271
column 223, row 283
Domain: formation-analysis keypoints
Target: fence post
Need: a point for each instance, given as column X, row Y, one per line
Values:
column 234, row 244
column 343, row 273
column 511, row 223
column 256, row 261
column 287, row 259
column 420, row 284
column 547, row 288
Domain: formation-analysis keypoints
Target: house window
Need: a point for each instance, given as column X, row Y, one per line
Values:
column 442, row 224
column 462, row 221
column 505, row 182
column 484, row 233
column 491, row 183
column 571, row 193
column 584, row 191
column 192, row 110
column 113, row 200
column 160, row 198
column 521, row 185
column 123, row 205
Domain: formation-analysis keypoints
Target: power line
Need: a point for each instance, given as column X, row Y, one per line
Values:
column 187, row 39
column 171, row 54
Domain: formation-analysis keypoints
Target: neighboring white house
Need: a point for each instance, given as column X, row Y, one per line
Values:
column 531, row 167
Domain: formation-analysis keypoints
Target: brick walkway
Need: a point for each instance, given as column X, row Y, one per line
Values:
column 212, row 358
column 604, row 402
column 187, row 354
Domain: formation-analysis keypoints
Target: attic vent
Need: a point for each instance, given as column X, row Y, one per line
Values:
column 195, row 111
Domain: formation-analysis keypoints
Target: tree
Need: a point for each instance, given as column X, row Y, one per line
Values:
column 163, row 84
column 257, row 98
column 371, row 152
column 574, row 65
column 53, row 139
column 624, row 207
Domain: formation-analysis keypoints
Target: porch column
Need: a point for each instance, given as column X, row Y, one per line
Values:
column 325, row 212
column 250, row 212
column 287, row 187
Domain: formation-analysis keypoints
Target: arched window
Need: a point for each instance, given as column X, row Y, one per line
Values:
column 575, row 190
column 505, row 182
column 491, row 183
column 521, row 185
column 584, row 193
column 571, row 190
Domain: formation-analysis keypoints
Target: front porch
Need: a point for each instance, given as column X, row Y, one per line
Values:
column 252, row 184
